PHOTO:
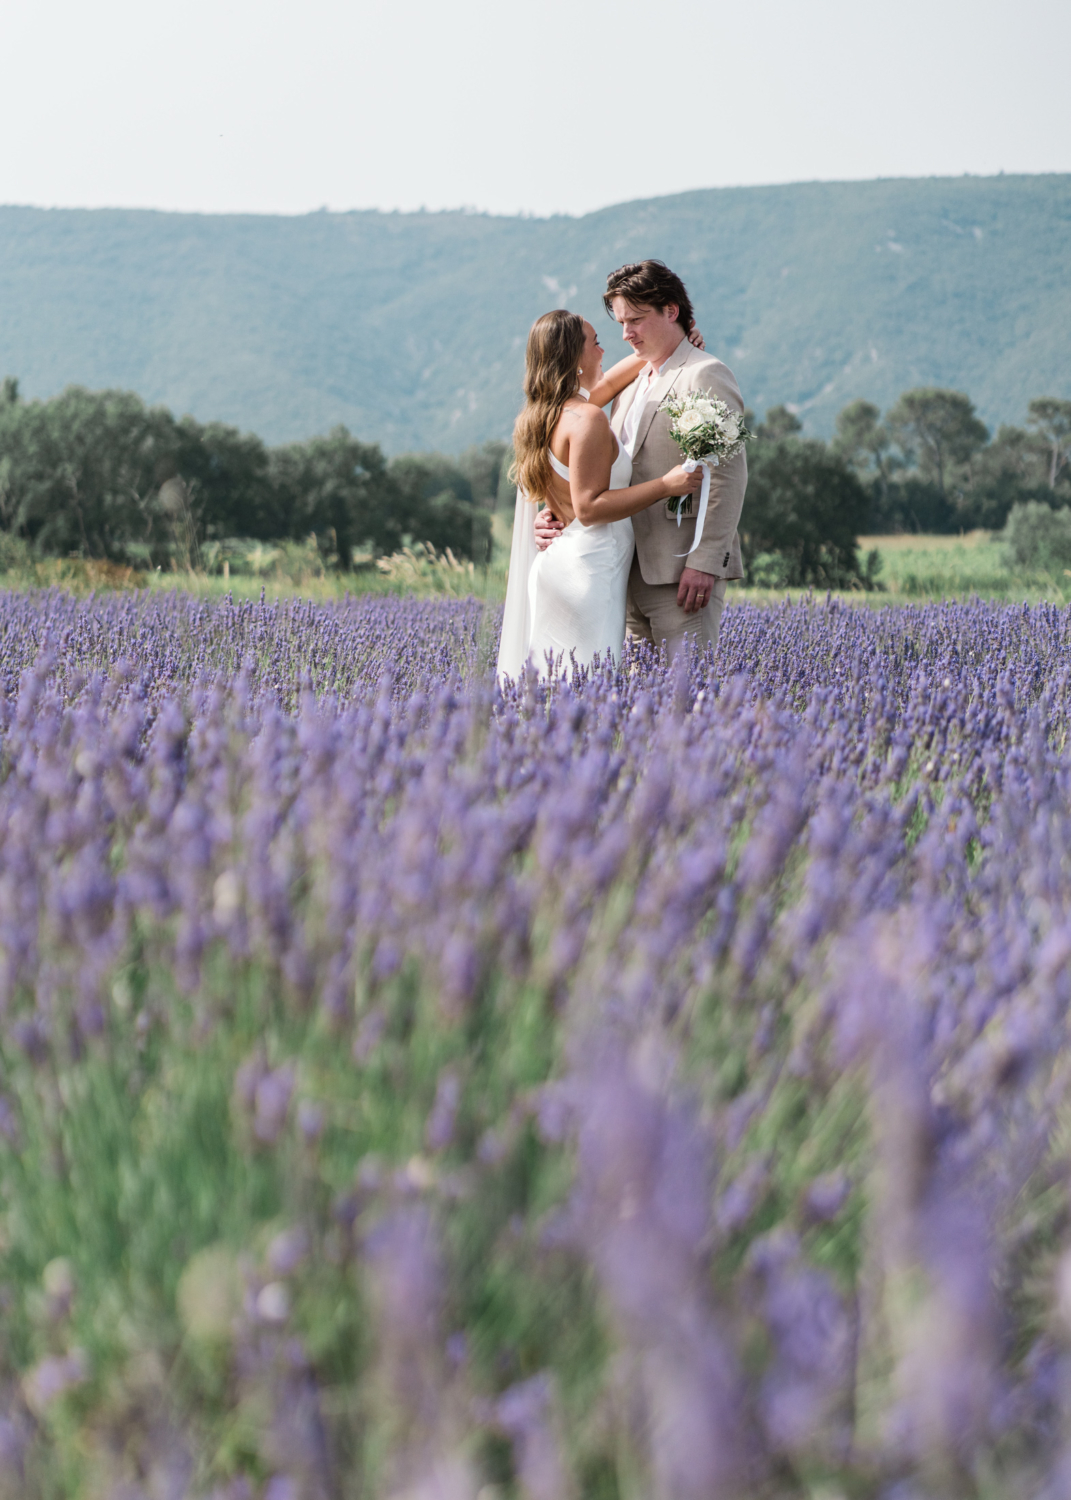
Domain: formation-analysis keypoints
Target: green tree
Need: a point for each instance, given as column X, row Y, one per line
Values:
column 81, row 472
column 1051, row 420
column 482, row 467
column 1013, row 453
column 939, row 431
column 779, row 423
column 337, row 488
column 864, row 443
column 438, row 505
column 229, row 481
column 805, row 507
column 507, row 489
column 9, row 399
column 1008, row 471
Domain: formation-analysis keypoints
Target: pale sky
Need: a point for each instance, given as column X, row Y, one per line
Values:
column 274, row 106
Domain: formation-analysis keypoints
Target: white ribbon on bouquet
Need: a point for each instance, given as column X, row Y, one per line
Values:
column 689, row 466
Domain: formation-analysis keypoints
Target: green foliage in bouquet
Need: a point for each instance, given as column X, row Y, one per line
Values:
column 705, row 429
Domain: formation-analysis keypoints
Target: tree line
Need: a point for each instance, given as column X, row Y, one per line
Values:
column 929, row 465
column 101, row 474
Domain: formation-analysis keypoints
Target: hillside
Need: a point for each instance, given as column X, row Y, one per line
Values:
column 409, row 328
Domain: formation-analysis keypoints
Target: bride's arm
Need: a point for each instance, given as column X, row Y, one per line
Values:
column 615, row 380
column 591, row 454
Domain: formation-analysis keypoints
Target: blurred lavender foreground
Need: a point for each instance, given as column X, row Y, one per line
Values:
column 651, row 1085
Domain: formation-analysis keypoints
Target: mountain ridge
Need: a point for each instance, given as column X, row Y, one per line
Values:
column 409, row 328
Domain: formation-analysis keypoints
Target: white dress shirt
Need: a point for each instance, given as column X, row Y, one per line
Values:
column 631, row 425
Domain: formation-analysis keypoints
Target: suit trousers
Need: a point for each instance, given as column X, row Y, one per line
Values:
column 654, row 615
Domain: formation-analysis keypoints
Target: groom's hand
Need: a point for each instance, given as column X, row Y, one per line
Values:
column 694, row 590
column 547, row 527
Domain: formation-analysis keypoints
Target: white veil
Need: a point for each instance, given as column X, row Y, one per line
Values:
column 516, row 639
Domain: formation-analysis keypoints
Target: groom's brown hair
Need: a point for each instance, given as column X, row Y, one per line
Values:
column 650, row 283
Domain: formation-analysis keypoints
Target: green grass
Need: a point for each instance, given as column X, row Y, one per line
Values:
column 410, row 572
column 915, row 569
column 956, row 567
column 927, row 569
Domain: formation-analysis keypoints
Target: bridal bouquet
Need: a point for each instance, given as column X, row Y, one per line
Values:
column 704, row 429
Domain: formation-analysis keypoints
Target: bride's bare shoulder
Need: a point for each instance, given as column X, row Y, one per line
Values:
column 587, row 419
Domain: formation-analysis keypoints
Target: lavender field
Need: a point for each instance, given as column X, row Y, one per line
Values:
column 646, row 1087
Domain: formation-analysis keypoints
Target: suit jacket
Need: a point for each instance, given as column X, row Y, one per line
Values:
column 659, row 540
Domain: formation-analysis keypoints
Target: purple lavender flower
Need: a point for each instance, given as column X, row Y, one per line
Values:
column 271, row 1103
column 439, row 1131
column 527, row 1413
column 819, row 879
column 641, row 1213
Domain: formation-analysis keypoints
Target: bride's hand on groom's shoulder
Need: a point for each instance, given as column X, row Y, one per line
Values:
column 696, row 338
column 547, row 527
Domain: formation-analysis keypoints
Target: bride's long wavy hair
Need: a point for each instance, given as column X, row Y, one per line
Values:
column 552, row 363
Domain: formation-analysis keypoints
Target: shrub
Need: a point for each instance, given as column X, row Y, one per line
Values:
column 15, row 554
column 1037, row 539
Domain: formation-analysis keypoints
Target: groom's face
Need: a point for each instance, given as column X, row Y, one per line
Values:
column 653, row 332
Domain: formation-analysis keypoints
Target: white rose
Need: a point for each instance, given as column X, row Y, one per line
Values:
column 688, row 421
column 709, row 410
column 730, row 426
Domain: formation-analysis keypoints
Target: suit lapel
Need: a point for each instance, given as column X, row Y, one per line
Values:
column 619, row 410
column 660, row 389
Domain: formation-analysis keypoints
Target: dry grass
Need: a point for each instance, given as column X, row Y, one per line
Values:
column 913, row 569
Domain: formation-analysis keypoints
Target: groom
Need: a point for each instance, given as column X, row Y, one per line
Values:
column 670, row 596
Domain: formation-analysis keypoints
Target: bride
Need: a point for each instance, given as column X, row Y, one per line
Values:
column 570, row 599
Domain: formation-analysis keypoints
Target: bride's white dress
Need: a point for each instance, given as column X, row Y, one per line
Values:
column 570, row 599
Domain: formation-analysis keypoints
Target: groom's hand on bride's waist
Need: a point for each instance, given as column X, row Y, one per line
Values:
column 694, row 590
column 547, row 527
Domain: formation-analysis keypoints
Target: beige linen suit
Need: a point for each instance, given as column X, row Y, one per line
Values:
column 653, row 611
